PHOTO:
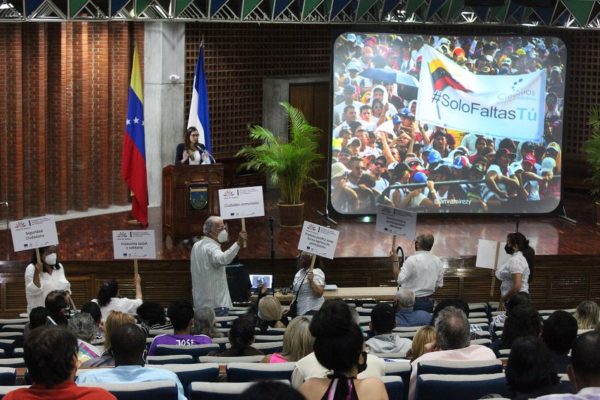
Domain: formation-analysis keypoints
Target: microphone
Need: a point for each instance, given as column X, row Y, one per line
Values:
column 200, row 147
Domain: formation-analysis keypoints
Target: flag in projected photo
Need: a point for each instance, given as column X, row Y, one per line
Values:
column 499, row 105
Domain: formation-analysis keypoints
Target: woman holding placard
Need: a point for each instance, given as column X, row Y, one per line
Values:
column 44, row 275
column 515, row 272
column 309, row 285
column 109, row 300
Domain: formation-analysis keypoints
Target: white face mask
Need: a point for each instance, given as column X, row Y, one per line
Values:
column 50, row 259
column 223, row 236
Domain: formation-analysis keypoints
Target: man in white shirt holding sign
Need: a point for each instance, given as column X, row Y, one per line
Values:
column 422, row 273
column 208, row 262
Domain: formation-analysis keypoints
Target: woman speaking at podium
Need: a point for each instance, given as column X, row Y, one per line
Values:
column 191, row 151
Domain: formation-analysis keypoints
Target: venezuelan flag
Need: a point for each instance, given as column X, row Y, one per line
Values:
column 133, row 164
column 441, row 77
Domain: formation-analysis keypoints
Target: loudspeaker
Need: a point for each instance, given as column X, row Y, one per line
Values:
column 238, row 282
column 484, row 3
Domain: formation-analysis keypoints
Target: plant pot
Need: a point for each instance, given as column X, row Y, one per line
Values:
column 291, row 215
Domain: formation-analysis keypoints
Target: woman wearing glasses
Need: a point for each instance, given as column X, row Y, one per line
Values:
column 191, row 151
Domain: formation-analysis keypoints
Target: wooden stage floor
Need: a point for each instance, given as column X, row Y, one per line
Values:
column 456, row 236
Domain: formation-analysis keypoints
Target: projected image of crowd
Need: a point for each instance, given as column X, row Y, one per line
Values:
column 381, row 154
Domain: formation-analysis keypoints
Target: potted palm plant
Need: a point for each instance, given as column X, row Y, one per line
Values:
column 287, row 164
column 591, row 148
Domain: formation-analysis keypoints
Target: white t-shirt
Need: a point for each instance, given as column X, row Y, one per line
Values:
column 124, row 305
column 306, row 298
column 516, row 264
column 36, row 296
column 422, row 273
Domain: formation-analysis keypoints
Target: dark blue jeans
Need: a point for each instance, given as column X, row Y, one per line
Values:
column 424, row 303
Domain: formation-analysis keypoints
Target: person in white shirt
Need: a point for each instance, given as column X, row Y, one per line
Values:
column 44, row 277
column 208, row 262
column 109, row 300
column 422, row 273
column 309, row 285
column 514, row 274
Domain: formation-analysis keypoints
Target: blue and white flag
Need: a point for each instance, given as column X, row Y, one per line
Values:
column 199, row 105
column 496, row 105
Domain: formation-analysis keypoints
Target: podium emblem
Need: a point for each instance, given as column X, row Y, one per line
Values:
column 198, row 197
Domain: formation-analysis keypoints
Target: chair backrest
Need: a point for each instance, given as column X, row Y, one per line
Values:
column 13, row 321
column 155, row 390
column 271, row 331
column 13, row 328
column 188, row 373
column 268, row 338
column 483, row 342
column 390, row 356
column 173, row 359
column 8, row 345
column 248, row 372
column 18, row 362
column 401, row 369
column 228, row 360
column 464, row 387
column 504, row 352
column 5, row 389
column 406, row 328
column 394, row 386
column 195, row 351
column 460, row 367
column 8, row 376
column 217, row 391
column 269, row 347
column 156, row 332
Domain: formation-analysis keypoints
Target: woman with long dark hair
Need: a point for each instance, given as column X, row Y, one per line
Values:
column 191, row 151
column 108, row 298
column 515, row 273
column 44, row 277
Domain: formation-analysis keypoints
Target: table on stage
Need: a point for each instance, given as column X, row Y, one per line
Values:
column 384, row 293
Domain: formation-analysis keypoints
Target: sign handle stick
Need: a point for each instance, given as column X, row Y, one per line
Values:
column 312, row 261
column 244, row 230
column 394, row 243
column 494, row 270
column 37, row 255
column 135, row 268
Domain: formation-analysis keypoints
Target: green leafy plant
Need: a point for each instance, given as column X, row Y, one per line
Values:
column 288, row 164
column 591, row 148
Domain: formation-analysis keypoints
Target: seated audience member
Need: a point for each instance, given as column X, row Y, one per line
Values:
column 241, row 337
column 456, row 303
column 270, row 314
column 57, row 307
column 204, row 323
column 584, row 371
column 271, row 390
column 339, row 347
column 83, row 327
column 520, row 321
column 113, row 322
column 94, row 310
column 310, row 366
column 297, row 342
column 560, row 329
column 518, row 299
column 424, row 336
column 181, row 314
column 152, row 316
column 384, row 341
column 452, row 343
column 406, row 315
column 108, row 298
column 587, row 315
column 50, row 353
column 531, row 371
column 128, row 344
column 37, row 318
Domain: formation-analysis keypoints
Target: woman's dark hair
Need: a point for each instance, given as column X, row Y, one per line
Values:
column 46, row 266
column 108, row 290
column 152, row 313
column 523, row 244
column 530, row 366
column 520, row 321
column 517, row 300
column 456, row 303
column 37, row 317
column 93, row 309
column 186, row 137
column 49, row 355
column 338, row 340
column 241, row 335
column 271, row 390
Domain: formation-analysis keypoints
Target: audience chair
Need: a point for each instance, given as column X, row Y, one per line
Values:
column 217, row 391
column 8, row 376
column 5, row 389
column 478, row 314
column 172, row 359
column 464, row 387
column 229, row 360
column 406, row 329
column 222, row 342
column 18, row 352
column 188, row 373
column 269, row 347
column 391, row 356
column 483, row 342
column 156, row 332
column 394, row 386
column 155, row 390
column 459, row 367
column 248, row 372
column 12, row 362
column 226, row 321
column 224, row 331
column 8, row 346
column 478, row 307
column 13, row 321
column 2, row 353
column 13, row 328
column 364, row 319
column 504, row 352
column 268, row 338
column 193, row 350
column 271, row 331
column 402, row 369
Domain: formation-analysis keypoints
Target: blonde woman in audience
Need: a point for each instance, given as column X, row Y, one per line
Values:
column 297, row 342
column 587, row 315
column 424, row 336
column 270, row 314
column 114, row 321
column 204, row 323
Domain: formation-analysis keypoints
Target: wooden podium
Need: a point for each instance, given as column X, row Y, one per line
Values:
column 190, row 195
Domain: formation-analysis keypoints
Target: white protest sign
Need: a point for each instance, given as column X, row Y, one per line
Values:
column 32, row 233
column 134, row 245
column 490, row 254
column 246, row 202
column 396, row 222
column 318, row 240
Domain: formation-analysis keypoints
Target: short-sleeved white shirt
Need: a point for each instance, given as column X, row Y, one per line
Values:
column 422, row 273
column 306, row 298
column 124, row 305
column 516, row 264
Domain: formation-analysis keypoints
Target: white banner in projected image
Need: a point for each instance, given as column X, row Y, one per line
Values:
column 496, row 105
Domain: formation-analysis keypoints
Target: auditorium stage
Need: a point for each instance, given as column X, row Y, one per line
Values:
column 456, row 236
